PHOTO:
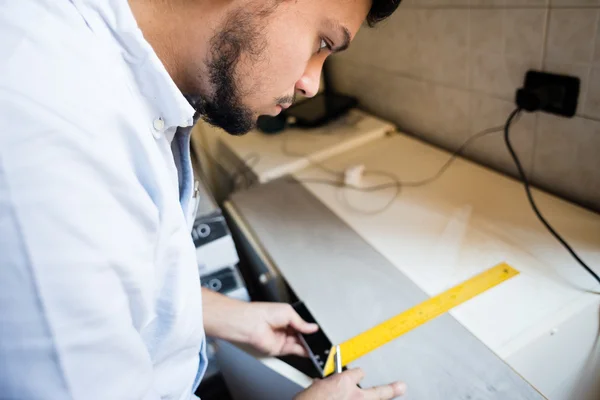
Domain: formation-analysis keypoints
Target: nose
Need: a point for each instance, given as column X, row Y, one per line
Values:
column 308, row 84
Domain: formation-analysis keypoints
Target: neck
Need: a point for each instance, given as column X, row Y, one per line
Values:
column 179, row 31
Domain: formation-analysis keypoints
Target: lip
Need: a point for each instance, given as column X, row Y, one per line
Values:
column 279, row 108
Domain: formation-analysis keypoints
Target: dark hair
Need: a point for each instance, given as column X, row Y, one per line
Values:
column 380, row 10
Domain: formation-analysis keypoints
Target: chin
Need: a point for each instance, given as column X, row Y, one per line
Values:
column 240, row 130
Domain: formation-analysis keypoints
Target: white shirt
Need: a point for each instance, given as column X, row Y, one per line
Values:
column 99, row 289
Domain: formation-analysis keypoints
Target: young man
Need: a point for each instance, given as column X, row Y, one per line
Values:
column 99, row 290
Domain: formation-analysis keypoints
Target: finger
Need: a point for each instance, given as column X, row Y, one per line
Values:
column 385, row 392
column 294, row 349
column 355, row 375
column 294, row 338
column 301, row 325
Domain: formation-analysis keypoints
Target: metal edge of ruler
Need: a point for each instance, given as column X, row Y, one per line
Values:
column 418, row 315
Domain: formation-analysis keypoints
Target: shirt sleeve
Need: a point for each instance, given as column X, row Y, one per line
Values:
column 77, row 233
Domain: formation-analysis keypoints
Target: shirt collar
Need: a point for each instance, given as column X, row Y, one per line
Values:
column 114, row 21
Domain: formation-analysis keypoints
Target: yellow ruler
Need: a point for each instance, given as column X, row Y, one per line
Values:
column 408, row 320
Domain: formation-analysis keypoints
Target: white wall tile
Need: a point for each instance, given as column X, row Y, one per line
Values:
column 488, row 74
column 566, row 158
column 597, row 44
column 524, row 32
column 571, row 35
column 499, row 75
column 443, row 64
column 392, row 45
column 444, row 27
column 453, row 3
column 485, row 3
column 487, row 31
column 488, row 112
column 436, row 113
column 398, row 99
column 434, row 3
column 574, row 3
column 592, row 100
column 411, row 71
column 442, row 46
column 446, row 112
column 526, row 3
column 509, row 3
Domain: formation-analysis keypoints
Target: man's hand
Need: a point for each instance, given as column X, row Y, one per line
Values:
column 343, row 387
column 271, row 328
column 275, row 327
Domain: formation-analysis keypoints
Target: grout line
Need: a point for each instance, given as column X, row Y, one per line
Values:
column 492, row 7
column 586, row 91
column 469, row 71
column 545, row 39
column 504, row 30
column 534, row 143
column 595, row 44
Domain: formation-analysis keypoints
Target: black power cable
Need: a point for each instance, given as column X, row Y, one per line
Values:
column 509, row 121
column 395, row 181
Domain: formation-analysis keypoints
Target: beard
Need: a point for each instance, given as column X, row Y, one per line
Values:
column 240, row 36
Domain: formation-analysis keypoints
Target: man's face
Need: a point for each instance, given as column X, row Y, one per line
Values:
column 266, row 52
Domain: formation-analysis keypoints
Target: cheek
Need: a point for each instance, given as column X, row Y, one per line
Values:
column 275, row 75
column 285, row 69
column 290, row 48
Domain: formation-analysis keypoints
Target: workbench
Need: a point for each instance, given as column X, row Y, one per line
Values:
column 354, row 269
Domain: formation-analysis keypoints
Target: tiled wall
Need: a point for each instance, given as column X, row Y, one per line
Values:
column 446, row 69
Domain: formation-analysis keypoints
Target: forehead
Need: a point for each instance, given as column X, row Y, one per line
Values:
column 349, row 14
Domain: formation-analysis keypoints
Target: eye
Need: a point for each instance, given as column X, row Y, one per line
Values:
column 324, row 45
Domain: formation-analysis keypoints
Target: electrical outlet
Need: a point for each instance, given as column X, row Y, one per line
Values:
column 552, row 93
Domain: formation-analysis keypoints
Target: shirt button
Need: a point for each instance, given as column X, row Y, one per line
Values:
column 158, row 124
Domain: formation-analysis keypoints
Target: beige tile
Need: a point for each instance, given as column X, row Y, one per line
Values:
column 487, row 33
column 487, row 3
column 446, row 116
column 391, row 45
column 487, row 74
column 510, row 3
column 524, row 32
column 571, row 35
column 574, row 3
column 445, row 65
column 442, row 48
column 408, row 4
column 581, row 71
column 597, row 45
column 488, row 112
column 436, row 113
column 395, row 98
column 454, row 3
column 592, row 102
column 526, row 3
column 434, row 3
column 566, row 158
column 498, row 75
column 447, row 28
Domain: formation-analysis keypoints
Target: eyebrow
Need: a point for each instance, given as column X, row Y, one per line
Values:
column 345, row 34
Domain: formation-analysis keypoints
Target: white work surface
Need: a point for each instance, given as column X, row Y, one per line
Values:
column 349, row 287
column 295, row 149
column 544, row 322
